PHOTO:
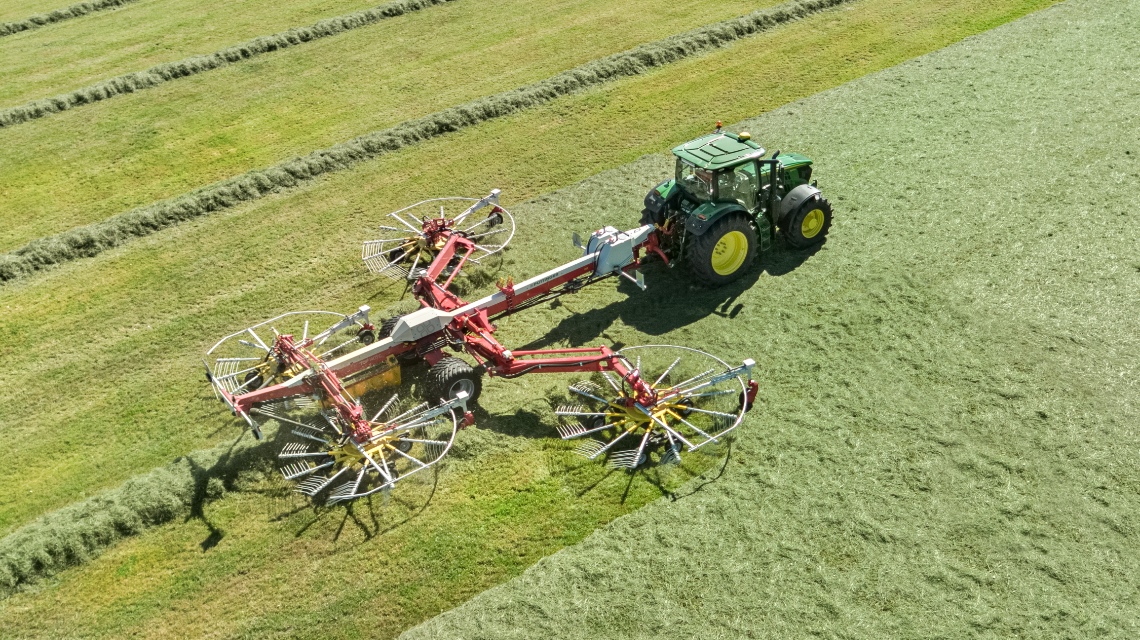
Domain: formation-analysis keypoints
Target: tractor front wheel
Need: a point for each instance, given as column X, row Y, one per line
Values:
column 449, row 376
column 808, row 225
column 723, row 253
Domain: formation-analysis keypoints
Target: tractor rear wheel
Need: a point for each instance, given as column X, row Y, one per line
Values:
column 451, row 375
column 723, row 253
column 808, row 225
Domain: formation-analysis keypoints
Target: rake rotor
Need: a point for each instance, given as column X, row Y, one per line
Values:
column 418, row 233
column 328, row 461
column 698, row 399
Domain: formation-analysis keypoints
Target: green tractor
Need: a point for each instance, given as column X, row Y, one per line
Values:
column 726, row 202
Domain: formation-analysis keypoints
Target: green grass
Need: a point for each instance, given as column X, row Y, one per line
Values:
column 90, row 240
column 138, row 365
column 947, row 446
column 108, row 387
column 168, row 140
column 21, row 10
column 173, row 70
column 57, row 58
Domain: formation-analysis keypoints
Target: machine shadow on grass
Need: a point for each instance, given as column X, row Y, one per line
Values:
column 655, row 311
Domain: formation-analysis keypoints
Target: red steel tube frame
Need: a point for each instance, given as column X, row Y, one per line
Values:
column 473, row 329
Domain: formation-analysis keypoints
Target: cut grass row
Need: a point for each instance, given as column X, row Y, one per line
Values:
column 133, row 401
column 93, row 239
column 178, row 137
column 167, row 71
column 59, row 15
column 45, row 62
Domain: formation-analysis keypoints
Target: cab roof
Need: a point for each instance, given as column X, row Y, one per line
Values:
column 718, row 150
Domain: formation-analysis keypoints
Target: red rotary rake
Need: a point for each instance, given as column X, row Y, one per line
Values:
column 640, row 404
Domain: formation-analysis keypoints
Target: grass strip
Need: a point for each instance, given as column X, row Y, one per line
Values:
column 79, row 532
column 59, row 15
column 158, row 74
column 92, row 239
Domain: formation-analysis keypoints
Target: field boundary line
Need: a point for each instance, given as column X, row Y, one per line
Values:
column 92, row 239
column 59, row 15
column 193, row 65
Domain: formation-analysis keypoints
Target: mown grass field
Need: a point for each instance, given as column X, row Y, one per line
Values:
column 87, row 316
column 88, row 323
column 14, row 10
column 49, row 60
column 948, row 446
column 165, row 141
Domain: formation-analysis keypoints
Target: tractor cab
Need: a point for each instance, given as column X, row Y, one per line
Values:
column 728, row 167
column 726, row 176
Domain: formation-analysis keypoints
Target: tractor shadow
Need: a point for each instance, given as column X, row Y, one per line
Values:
column 673, row 299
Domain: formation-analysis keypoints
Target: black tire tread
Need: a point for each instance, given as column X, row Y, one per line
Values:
column 446, row 372
column 791, row 225
column 701, row 248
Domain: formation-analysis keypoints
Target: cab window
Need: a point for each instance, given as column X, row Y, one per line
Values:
column 739, row 184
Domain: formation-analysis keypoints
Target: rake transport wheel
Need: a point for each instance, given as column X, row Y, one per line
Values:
column 723, row 253
column 331, row 464
column 451, row 375
column 698, row 402
column 808, row 225
column 406, row 248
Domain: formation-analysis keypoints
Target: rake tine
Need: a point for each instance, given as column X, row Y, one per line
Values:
column 302, row 434
column 327, row 481
column 666, row 372
column 586, row 432
column 606, row 375
column 294, row 471
column 384, row 408
column 640, row 449
column 586, row 394
column 613, row 442
column 588, row 448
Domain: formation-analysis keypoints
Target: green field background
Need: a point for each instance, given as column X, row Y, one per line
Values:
column 162, row 142
column 905, row 364
column 55, row 58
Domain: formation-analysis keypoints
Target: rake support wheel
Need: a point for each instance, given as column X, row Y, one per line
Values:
column 451, row 375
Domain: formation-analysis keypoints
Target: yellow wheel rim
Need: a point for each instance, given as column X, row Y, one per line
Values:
column 812, row 223
column 729, row 253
